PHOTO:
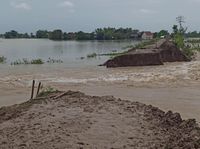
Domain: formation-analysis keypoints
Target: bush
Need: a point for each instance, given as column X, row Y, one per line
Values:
column 189, row 52
column 47, row 91
column 92, row 55
column 179, row 40
column 2, row 59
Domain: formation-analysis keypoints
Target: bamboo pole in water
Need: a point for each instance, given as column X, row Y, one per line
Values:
column 33, row 86
column 38, row 89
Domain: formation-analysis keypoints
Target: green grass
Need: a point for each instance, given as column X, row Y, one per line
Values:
column 113, row 54
column 25, row 61
column 45, row 92
column 141, row 44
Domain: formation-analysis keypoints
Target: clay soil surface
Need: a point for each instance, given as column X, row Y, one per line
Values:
column 76, row 120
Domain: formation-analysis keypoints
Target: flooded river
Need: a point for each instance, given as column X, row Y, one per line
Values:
column 174, row 86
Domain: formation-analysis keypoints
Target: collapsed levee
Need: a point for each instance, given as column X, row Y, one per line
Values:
column 137, row 59
column 166, row 52
column 169, row 52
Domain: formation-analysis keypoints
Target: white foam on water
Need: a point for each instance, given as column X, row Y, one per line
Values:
column 169, row 72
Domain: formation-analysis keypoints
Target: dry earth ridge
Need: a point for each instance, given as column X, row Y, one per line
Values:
column 75, row 120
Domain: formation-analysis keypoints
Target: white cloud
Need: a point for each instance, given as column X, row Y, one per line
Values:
column 147, row 11
column 67, row 4
column 20, row 5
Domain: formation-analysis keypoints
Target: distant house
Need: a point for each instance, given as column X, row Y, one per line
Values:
column 147, row 35
column 135, row 34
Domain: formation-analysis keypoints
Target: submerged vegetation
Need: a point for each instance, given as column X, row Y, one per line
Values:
column 52, row 61
column 126, row 49
column 2, row 59
column 93, row 55
column 38, row 61
column 25, row 61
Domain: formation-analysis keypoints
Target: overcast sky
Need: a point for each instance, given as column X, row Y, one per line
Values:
column 86, row 15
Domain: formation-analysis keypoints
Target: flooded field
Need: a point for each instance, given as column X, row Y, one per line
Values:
column 174, row 86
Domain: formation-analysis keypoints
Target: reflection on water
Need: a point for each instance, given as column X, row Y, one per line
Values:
column 69, row 51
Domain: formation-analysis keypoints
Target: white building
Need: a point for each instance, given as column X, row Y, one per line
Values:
column 147, row 36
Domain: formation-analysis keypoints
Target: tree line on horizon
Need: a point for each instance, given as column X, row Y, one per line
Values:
column 99, row 34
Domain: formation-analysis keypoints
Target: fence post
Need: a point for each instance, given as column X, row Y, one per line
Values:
column 38, row 89
column 33, row 86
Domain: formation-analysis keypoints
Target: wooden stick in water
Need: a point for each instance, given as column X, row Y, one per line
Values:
column 33, row 86
column 38, row 89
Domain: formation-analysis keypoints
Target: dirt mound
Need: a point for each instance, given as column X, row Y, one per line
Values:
column 75, row 120
column 169, row 52
column 135, row 60
column 166, row 52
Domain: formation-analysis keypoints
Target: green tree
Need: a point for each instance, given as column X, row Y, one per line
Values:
column 11, row 34
column 99, row 33
column 42, row 34
column 84, row 36
column 162, row 33
column 178, row 33
column 32, row 35
column 56, row 35
column 175, row 29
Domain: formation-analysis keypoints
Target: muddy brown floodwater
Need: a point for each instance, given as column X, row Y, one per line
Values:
column 174, row 86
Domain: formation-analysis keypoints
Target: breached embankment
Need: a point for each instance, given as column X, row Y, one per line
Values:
column 75, row 120
column 167, row 51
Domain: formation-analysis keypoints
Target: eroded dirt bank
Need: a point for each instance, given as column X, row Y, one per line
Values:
column 157, row 54
column 76, row 120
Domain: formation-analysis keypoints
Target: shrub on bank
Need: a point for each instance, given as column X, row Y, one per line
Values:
column 2, row 59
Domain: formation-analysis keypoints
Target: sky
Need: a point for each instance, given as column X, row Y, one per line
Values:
column 87, row 15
